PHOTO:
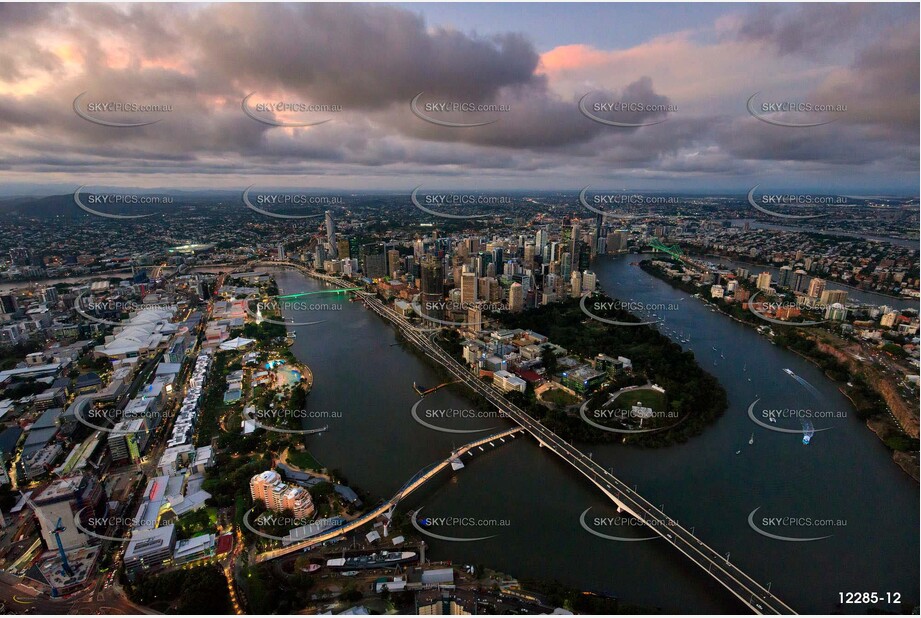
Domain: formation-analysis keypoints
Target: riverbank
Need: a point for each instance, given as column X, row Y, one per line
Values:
column 837, row 283
column 849, row 380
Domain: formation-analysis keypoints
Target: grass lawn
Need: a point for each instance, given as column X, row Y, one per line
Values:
column 647, row 397
column 559, row 397
column 303, row 460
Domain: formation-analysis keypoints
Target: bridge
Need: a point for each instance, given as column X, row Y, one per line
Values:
column 417, row 481
column 756, row 597
column 674, row 250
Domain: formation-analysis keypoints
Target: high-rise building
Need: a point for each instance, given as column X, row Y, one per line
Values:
column 800, row 280
column 784, row 280
column 764, row 281
column 331, row 236
column 830, row 297
column 373, row 260
column 343, row 246
column 589, row 281
column 278, row 496
column 816, row 287
column 575, row 283
column 468, row 287
column 431, row 279
column 474, row 318
column 515, row 298
column 393, row 262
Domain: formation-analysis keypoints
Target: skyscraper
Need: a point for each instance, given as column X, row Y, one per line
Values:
column 331, row 236
column 432, row 287
column 515, row 298
column 468, row 287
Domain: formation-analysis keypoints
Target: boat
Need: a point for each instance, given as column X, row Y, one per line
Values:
column 376, row 560
column 737, row 452
column 456, row 464
column 808, row 431
column 789, row 372
column 312, row 568
column 751, row 440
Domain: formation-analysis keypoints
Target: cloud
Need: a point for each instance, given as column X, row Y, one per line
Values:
column 373, row 59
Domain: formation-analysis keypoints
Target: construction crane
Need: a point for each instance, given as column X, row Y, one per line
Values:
column 58, row 529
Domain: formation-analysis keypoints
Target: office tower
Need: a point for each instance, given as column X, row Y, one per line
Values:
column 529, row 249
column 373, row 260
column 418, row 249
column 540, row 240
column 589, row 281
column 574, row 242
column 331, row 236
column 816, row 287
column 491, row 269
column 393, row 262
column 554, row 252
column 565, row 265
column 764, row 281
column 432, row 287
column 515, row 298
column 468, row 287
column 575, row 284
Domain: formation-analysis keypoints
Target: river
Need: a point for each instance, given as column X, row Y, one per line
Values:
column 532, row 502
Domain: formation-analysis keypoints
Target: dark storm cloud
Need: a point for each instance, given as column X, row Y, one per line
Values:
column 373, row 59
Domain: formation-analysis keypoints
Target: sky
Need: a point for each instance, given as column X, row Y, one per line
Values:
column 700, row 81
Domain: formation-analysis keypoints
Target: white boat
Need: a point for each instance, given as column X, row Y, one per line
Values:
column 457, row 464
column 751, row 440
column 789, row 373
